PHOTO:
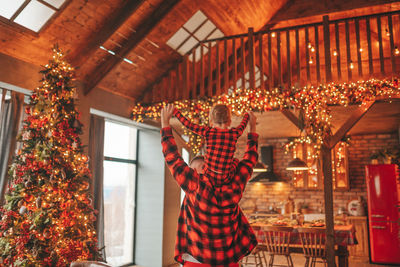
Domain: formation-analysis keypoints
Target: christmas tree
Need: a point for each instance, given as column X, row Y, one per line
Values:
column 47, row 218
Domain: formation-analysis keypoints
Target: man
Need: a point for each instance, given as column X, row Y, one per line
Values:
column 212, row 230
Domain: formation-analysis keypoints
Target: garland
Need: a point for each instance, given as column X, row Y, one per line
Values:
column 312, row 102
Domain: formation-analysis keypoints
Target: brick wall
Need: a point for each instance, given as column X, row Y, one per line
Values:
column 260, row 196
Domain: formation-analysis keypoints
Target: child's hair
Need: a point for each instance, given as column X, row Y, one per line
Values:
column 220, row 114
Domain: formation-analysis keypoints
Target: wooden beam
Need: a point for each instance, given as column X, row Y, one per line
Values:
column 293, row 118
column 80, row 55
column 354, row 118
column 143, row 29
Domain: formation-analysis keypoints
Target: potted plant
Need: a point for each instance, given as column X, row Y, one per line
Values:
column 384, row 156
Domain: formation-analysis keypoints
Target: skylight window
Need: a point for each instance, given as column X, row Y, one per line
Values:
column 32, row 14
column 195, row 30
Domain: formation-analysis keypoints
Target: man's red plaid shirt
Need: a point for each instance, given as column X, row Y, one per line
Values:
column 211, row 226
column 220, row 143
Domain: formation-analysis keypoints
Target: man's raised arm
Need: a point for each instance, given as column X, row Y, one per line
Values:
column 185, row 176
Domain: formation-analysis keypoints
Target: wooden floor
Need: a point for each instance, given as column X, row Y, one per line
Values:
column 299, row 260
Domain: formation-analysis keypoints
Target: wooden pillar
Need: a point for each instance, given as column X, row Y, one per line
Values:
column 251, row 59
column 327, row 46
column 328, row 197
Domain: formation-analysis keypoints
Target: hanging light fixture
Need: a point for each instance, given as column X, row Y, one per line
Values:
column 297, row 165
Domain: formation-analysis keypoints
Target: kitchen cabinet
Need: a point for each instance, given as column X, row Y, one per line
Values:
column 359, row 251
column 313, row 178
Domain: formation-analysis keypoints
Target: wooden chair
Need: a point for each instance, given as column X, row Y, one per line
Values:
column 256, row 257
column 313, row 241
column 277, row 240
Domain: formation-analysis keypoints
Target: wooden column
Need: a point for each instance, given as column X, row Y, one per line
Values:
column 261, row 61
column 317, row 63
column 218, row 69
column 339, row 71
column 307, row 56
column 370, row 59
column 349, row 73
column 226, row 67
column 234, row 54
column 328, row 198
column 327, row 46
column 270, row 77
column 278, row 56
column 252, row 74
column 298, row 58
column 288, row 65
column 185, row 74
column 390, row 23
column 380, row 42
column 360, row 73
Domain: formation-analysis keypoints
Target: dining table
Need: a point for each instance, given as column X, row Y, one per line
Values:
column 344, row 237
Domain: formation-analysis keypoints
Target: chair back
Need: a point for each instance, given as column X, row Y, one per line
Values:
column 277, row 239
column 313, row 241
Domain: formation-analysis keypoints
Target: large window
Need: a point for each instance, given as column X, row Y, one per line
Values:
column 119, row 192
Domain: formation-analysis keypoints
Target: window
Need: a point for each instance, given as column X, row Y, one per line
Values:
column 196, row 29
column 32, row 14
column 120, row 141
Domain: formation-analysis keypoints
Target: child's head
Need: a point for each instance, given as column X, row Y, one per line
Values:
column 220, row 115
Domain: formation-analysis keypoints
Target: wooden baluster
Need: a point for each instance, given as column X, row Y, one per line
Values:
column 171, row 91
column 202, row 93
column 317, row 53
column 339, row 67
column 163, row 95
column 327, row 47
column 381, row 58
column 307, row 56
column 289, row 67
column 185, row 73
column 177, row 83
column 252, row 74
column 194, row 76
column 349, row 62
column 370, row 57
column 210, row 78
column 298, row 57
column 243, row 62
column 270, row 78
column 390, row 25
column 278, row 56
column 261, row 61
column 359, row 60
column 234, row 64
column 226, row 66
column 218, row 69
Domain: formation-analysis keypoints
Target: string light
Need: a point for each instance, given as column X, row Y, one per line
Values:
column 335, row 53
column 396, row 50
column 313, row 101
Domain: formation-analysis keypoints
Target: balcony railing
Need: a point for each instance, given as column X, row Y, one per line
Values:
column 332, row 50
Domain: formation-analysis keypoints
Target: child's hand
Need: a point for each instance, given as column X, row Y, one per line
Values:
column 166, row 114
column 252, row 121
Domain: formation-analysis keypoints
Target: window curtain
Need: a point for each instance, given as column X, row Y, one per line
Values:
column 10, row 116
column 96, row 154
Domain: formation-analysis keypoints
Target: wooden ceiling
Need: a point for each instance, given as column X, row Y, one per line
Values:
column 138, row 30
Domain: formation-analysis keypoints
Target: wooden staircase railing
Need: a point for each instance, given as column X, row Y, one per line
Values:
column 332, row 50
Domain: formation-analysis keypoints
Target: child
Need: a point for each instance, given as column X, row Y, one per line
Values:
column 220, row 140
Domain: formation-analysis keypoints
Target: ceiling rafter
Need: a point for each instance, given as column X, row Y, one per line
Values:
column 145, row 27
column 81, row 54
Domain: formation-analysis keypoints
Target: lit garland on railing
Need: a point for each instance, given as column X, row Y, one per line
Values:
column 313, row 101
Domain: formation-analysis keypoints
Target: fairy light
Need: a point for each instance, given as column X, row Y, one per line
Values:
column 314, row 101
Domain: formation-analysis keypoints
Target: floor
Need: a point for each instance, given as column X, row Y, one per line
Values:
column 299, row 260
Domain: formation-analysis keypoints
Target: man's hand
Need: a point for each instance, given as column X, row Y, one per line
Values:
column 166, row 114
column 252, row 121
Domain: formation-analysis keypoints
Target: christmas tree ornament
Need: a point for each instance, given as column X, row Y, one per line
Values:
column 22, row 210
